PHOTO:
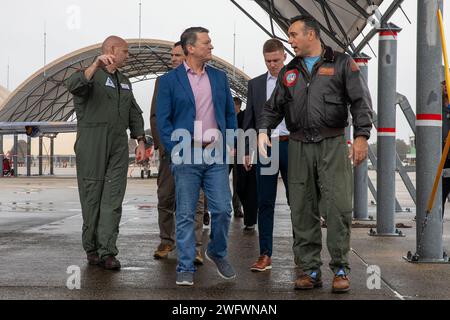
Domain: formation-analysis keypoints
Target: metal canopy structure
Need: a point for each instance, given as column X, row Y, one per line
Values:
column 341, row 21
column 4, row 93
column 43, row 97
column 34, row 129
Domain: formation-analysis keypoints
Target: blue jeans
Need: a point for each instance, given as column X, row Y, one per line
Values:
column 189, row 178
column 267, row 194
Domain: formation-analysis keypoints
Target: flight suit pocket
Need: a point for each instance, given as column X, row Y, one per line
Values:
column 115, row 189
column 298, row 174
column 90, row 149
column 342, row 178
column 92, row 190
column 335, row 111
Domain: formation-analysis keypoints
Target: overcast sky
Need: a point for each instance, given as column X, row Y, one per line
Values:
column 22, row 26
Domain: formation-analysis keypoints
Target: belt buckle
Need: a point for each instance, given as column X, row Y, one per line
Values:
column 197, row 144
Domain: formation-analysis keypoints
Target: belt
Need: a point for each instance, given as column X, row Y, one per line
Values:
column 283, row 138
column 197, row 144
column 316, row 134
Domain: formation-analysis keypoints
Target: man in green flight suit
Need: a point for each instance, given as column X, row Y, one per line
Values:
column 314, row 93
column 105, row 109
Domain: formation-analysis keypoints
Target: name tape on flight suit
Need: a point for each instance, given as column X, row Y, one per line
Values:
column 125, row 86
column 326, row 71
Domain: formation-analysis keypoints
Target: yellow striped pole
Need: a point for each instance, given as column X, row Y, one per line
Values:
column 447, row 140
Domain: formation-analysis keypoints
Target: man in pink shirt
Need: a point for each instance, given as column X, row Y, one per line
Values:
column 166, row 185
column 195, row 98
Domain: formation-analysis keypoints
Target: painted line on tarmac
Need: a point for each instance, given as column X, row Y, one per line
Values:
column 397, row 294
column 132, row 219
column 71, row 217
column 135, row 268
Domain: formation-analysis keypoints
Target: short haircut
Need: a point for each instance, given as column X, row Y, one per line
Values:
column 189, row 37
column 309, row 22
column 273, row 45
column 237, row 100
column 176, row 44
column 110, row 42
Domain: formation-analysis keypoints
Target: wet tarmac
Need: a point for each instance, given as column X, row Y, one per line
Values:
column 40, row 238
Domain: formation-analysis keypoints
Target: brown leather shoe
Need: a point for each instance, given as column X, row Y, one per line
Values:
column 110, row 263
column 93, row 259
column 198, row 258
column 264, row 263
column 306, row 282
column 163, row 251
column 341, row 284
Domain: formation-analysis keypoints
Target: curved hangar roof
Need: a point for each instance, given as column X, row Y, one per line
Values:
column 4, row 93
column 43, row 97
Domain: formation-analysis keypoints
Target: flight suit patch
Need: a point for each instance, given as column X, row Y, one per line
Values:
column 290, row 78
column 326, row 71
column 109, row 83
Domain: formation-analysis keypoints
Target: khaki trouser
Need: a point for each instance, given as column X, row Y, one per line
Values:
column 166, row 207
column 320, row 184
column 236, row 201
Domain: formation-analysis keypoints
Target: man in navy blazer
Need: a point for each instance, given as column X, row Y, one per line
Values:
column 259, row 91
column 194, row 102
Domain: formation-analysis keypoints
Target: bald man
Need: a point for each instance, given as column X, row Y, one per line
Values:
column 105, row 109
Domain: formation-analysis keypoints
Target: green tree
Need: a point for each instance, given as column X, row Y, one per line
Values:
column 400, row 145
column 402, row 148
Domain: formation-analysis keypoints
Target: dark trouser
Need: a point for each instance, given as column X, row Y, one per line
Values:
column 236, row 201
column 246, row 189
column 267, row 194
column 320, row 183
column 166, row 206
column 102, row 165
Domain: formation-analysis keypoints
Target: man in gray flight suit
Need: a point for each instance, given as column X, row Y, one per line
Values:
column 105, row 109
column 313, row 94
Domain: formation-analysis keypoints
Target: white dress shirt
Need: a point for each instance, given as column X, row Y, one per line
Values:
column 281, row 129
